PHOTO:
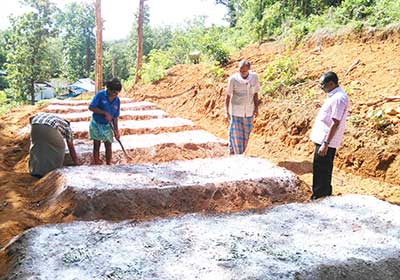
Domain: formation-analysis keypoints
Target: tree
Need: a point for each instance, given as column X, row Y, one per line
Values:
column 28, row 57
column 99, row 47
column 116, row 50
column 153, row 38
column 4, row 37
column 139, row 54
column 233, row 7
column 76, row 24
column 55, row 57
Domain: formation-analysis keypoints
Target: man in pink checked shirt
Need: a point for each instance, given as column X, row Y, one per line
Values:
column 327, row 133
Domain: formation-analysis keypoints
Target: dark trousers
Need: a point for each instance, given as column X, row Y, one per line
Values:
column 322, row 173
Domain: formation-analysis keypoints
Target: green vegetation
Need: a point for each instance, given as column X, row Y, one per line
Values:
column 279, row 74
column 28, row 58
column 157, row 64
column 76, row 40
column 380, row 121
column 264, row 19
column 216, row 71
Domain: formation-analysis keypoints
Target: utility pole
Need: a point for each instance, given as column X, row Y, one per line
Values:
column 99, row 48
column 139, row 56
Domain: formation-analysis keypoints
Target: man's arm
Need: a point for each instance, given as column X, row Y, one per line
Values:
column 256, row 101
column 227, row 103
column 101, row 112
column 323, row 150
column 229, row 93
column 72, row 152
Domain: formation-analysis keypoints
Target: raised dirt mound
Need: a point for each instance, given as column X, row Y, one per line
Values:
column 351, row 237
column 156, row 190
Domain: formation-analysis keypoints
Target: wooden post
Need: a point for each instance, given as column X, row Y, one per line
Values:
column 99, row 48
column 139, row 56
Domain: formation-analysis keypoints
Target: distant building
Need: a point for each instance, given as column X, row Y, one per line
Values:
column 43, row 90
column 82, row 85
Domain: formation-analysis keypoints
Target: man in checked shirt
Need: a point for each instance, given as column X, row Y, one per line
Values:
column 47, row 149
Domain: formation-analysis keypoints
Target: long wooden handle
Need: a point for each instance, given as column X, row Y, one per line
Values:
column 120, row 143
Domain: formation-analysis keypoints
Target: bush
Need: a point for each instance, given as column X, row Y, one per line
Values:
column 6, row 102
column 279, row 74
column 218, row 53
column 385, row 12
column 216, row 71
column 355, row 10
column 155, row 67
column 380, row 120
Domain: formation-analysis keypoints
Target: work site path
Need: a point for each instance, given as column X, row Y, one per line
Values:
column 175, row 168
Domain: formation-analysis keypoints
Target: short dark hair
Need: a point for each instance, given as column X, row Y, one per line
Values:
column 244, row 63
column 114, row 85
column 329, row 77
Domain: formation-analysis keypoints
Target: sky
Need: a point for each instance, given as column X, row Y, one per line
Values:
column 119, row 14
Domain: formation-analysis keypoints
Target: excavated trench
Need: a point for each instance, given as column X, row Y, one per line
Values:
column 351, row 237
column 67, row 102
column 152, row 126
column 124, row 115
column 174, row 169
column 156, row 147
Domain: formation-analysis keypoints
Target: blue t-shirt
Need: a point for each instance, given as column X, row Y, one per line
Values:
column 101, row 101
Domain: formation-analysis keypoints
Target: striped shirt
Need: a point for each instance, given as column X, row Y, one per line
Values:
column 54, row 121
column 336, row 106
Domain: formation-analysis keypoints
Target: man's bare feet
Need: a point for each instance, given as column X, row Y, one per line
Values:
column 98, row 162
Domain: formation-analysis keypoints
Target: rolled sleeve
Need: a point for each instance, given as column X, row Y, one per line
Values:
column 68, row 134
column 95, row 101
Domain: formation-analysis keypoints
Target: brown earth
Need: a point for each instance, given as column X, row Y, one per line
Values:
column 366, row 164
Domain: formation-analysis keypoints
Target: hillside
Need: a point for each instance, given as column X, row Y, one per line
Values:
column 368, row 66
column 366, row 164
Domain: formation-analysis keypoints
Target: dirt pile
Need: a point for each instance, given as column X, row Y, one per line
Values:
column 159, row 190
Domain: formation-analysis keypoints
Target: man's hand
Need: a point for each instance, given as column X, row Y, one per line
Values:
column 227, row 117
column 255, row 114
column 107, row 116
column 323, row 150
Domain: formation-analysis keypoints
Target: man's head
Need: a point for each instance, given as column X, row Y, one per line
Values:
column 329, row 81
column 244, row 68
column 113, row 86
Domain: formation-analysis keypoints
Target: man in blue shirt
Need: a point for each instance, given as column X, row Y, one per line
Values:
column 106, row 109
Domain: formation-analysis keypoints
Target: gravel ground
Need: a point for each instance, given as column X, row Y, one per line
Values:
column 349, row 237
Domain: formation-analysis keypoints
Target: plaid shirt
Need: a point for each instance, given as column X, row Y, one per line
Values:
column 54, row 121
